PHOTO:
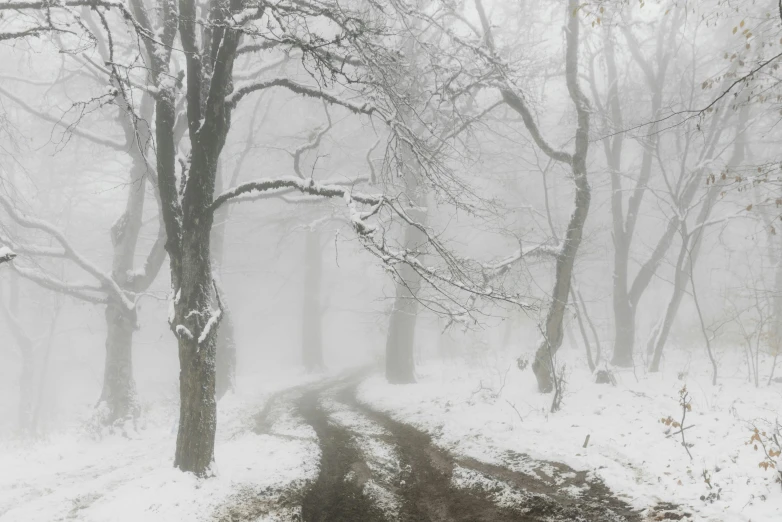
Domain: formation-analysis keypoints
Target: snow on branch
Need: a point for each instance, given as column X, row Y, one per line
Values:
column 82, row 291
column 6, row 254
column 307, row 186
column 456, row 283
column 243, row 90
column 31, row 250
column 107, row 282
column 502, row 266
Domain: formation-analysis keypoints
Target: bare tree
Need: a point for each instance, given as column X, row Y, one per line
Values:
column 693, row 238
column 553, row 330
column 201, row 98
column 627, row 293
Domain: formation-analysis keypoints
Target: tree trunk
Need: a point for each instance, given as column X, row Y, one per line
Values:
column 690, row 249
column 27, row 391
column 624, row 342
column 118, row 396
column 28, row 354
column 542, row 365
column 311, row 331
column 225, row 358
column 582, row 329
column 400, row 362
column 196, row 333
column 679, row 285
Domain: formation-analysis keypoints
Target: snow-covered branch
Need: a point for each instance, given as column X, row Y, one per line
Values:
column 307, row 186
column 243, row 90
column 38, row 224
column 542, row 250
column 31, row 250
column 82, row 291
column 6, row 254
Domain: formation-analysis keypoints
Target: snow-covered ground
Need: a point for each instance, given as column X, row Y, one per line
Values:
column 484, row 407
column 77, row 475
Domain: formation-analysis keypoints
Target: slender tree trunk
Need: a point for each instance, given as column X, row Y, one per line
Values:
column 680, row 282
column 118, row 396
column 311, row 331
column 542, row 365
column 583, row 331
column 566, row 257
column 688, row 254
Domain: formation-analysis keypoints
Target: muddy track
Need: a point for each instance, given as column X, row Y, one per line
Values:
column 425, row 483
column 338, row 492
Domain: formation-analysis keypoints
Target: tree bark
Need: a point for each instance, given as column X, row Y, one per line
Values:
column 552, row 340
column 624, row 340
column 680, row 282
column 197, row 348
column 542, row 366
column 311, row 330
column 582, row 329
column 400, row 342
column 118, row 395
column 225, row 357
column 28, row 354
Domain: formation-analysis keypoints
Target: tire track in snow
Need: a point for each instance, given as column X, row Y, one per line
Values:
column 376, row 469
column 338, row 493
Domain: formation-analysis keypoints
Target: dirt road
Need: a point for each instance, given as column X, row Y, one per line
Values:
column 376, row 469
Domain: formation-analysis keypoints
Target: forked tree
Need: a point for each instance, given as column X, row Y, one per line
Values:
column 565, row 253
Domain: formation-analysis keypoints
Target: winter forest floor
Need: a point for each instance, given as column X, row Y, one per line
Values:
column 471, row 441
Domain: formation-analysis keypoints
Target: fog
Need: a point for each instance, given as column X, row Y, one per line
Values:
column 390, row 260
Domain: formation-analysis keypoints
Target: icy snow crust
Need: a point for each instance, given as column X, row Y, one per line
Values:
column 464, row 406
column 130, row 477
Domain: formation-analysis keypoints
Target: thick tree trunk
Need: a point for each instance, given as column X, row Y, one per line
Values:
column 400, row 362
column 196, row 331
column 624, row 341
column 28, row 354
column 400, row 341
column 225, row 357
column 311, row 330
column 118, row 398
column 27, row 391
